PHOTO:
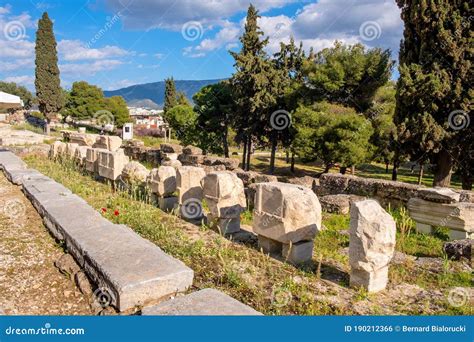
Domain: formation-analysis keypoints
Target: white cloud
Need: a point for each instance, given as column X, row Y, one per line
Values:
column 75, row 50
column 89, row 69
column 26, row 80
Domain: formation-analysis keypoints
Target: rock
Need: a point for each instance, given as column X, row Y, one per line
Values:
column 207, row 302
column 81, row 154
column 286, row 212
column 261, row 178
column 224, row 194
column 108, row 142
column 459, row 217
column 338, row 204
column 71, row 150
column 173, row 163
column 298, row 253
column 168, row 156
column 466, row 196
column 246, row 176
column 191, row 159
column 371, row 245
column 56, row 150
column 458, row 249
column 67, row 265
column 303, row 181
column 213, row 168
column 171, row 148
column 188, row 183
column 229, row 163
column 439, row 195
column 192, row 150
column 83, row 139
column 163, row 181
column 111, row 164
column 134, row 173
column 91, row 162
column 83, row 283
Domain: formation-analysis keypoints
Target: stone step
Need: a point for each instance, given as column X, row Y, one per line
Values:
column 207, row 302
column 18, row 176
column 9, row 161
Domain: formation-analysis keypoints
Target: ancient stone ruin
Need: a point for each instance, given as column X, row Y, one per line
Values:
column 188, row 185
column 162, row 182
column 371, row 245
column 225, row 198
column 286, row 218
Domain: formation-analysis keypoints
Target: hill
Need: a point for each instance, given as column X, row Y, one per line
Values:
column 155, row 92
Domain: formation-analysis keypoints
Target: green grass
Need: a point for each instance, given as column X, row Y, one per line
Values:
column 252, row 277
column 154, row 141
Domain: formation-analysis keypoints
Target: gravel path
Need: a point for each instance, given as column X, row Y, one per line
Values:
column 30, row 284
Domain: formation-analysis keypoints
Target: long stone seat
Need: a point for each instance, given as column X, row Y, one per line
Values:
column 9, row 161
column 18, row 176
column 207, row 302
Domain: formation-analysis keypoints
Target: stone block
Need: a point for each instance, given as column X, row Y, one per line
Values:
column 456, row 216
column 224, row 225
column 169, row 156
column 56, row 149
column 224, row 194
column 459, row 249
column 18, row 176
column 247, row 177
column 439, row 195
column 111, row 164
column 171, row 148
column 188, row 183
column 71, row 150
column 192, row 150
column 207, row 302
column 173, row 163
column 134, row 173
column 261, row 178
column 108, row 142
column 92, row 159
column 83, row 139
column 298, row 253
column 338, row 204
column 286, row 212
column 371, row 245
column 81, row 154
column 269, row 246
column 162, row 181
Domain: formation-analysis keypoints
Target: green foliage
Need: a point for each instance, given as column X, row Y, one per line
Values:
column 22, row 92
column 181, row 99
column 182, row 119
column 118, row 107
column 349, row 75
column 170, row 95
column 435, row 80
column 332, row 133
column 47, row 81
column 214, row 108
column 85, row 100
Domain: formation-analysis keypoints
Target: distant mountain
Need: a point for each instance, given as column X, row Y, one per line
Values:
column 146, row 103
column 155, row 92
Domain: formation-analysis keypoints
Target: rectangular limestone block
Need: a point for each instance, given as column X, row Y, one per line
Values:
column 134, row 270
column 269, row 246
column 224, row 225
column 188, row 183
column 207, row 302
column 372, row 281
column 224, row 194
column 286, row 212
column 162, row 181
column 92, row 159
column 108, row 142
column 18, row 176
column 8, row 160
column 111, row 164
column 456, row 216
column 424, row 228
column 81, row 154
column 298, row 253
column 71, row 150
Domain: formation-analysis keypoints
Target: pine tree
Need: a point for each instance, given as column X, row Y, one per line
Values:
column 255, row 86
column 434, row 91
column 170, row 95
column 47, row 81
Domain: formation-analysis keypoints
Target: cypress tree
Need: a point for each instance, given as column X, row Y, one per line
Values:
column 47, row 81
column 434, row 92
column 170, row 95
column 255, row 86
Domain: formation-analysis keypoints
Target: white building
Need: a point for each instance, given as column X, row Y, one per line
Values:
column 150, row 118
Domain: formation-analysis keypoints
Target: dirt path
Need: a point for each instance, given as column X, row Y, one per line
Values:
column 30, row 284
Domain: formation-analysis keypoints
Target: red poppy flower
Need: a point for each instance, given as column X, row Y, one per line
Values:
column 116, row 212
column 104, row 210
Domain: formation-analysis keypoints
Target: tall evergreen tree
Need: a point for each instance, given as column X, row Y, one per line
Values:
column 47, row 81
column 170, row 95
column 434, row 91
column 255, row 86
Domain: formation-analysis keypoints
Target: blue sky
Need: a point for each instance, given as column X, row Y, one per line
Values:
column 117, row 43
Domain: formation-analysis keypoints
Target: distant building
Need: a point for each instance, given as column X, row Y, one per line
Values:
column 148, row 118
